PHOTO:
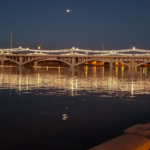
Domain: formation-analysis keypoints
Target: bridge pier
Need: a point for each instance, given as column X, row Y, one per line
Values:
column 133, row 63
column 35, row 63
column 20, row 61
column 72, row 71
column 20, row 70
column 111, row 64
column 2, row 62
column 132, row 67
column 73, row 62
column 111, row 67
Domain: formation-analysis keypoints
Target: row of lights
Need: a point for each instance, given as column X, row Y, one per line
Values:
column 72, row 48
column 75, row 48
column 28, row 48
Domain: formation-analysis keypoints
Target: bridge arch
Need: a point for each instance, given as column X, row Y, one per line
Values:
column 60, row 60
column 123, row 63
column 142, row 64
column 31, row 60
column 12, row 61
column 46, row 59
column 79, row 63
column 104, row 60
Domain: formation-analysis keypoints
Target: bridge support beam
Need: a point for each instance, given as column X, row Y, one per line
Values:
column 35, row 63
column 111, row 67
column 20, row 70
column 73, row 62
column 132, row 67
column 20, row 60
column 132, row 63
column 2, row 62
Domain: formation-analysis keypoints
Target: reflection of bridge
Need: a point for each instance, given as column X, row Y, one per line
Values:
column 74, row 57
column 88, row 79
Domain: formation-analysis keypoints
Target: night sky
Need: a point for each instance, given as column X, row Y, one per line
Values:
column 118, row 24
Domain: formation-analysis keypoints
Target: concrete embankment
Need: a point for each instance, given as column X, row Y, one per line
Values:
column 134, row 138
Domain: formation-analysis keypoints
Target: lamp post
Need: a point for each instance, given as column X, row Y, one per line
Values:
column 39, row 47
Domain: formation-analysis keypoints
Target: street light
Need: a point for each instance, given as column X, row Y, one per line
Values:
column 39, row 47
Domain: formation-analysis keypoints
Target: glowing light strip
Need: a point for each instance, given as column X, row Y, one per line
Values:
column 79, row 50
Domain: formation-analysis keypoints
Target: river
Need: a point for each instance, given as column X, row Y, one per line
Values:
column 70, row 109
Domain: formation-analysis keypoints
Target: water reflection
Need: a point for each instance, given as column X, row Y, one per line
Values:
column 78, row 81
column 64, row 117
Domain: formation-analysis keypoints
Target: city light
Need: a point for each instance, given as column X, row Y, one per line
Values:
column 90, row 52
column 119, row 57
column 58, row 80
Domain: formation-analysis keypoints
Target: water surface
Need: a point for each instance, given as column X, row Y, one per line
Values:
column 63, row 108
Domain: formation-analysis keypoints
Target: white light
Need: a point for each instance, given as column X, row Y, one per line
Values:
column 133, row 48
column 68, row 10
column 72, row 47
column 20, row 47
column 27, row 48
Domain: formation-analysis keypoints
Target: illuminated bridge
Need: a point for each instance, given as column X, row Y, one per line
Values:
column 74, row 56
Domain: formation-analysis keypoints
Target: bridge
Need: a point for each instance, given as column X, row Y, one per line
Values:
column 74, row 57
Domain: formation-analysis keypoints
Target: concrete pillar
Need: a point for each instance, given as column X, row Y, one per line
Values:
column 20, row 60
column 111, row 64
column 20, row 70
column 2, row 62
column 111, row 67
column 35, row 63
column 132, row 71
column 132, row 63
column 73, row 62
column 72, row 71
column 132, row 67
